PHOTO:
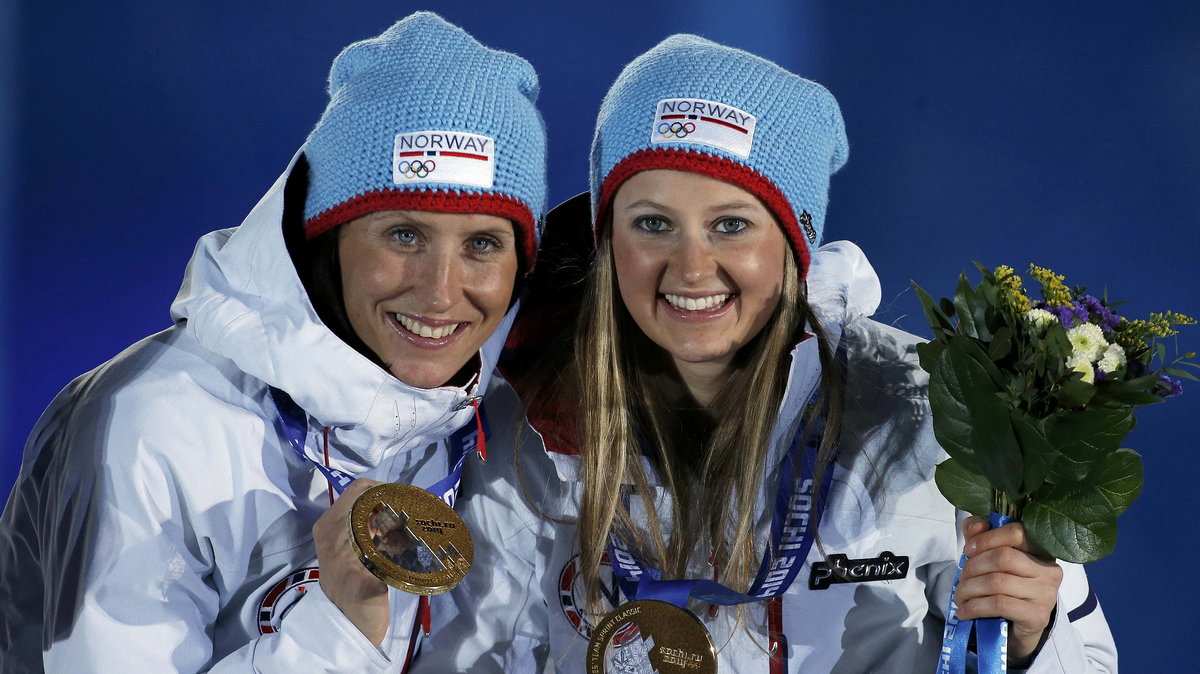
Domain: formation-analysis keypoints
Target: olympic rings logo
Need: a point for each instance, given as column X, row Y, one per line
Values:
column 676, row 129
column 416, row 168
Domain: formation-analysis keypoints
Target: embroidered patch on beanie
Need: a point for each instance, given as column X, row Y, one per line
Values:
column 444, row 157
column 693, row 120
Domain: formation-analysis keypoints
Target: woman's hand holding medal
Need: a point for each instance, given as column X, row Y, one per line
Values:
column 361, row 596
column 1008, row 576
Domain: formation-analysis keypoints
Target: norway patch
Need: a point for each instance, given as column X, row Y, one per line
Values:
column 839, row 569
column 573, row 598
column 693, row 120
column 283, row 596
column 444, row 157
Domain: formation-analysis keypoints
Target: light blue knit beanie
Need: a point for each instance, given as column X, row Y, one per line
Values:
column 424, row 117
column 690, row 104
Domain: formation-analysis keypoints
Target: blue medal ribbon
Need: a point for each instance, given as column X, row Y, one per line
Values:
column 991, row 634
column 461, row 443
column 792, row 534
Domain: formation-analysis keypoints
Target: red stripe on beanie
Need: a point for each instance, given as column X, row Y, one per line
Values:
column 438, row 201
column 714, row 167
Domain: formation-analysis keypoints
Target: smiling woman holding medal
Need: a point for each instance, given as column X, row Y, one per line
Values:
column 739, row 461
column 178, row 508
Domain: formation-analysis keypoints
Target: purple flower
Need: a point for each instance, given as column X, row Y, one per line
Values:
column 1104, row 316
column 1081, row 311
column 1064, row 314
column 1168, row 387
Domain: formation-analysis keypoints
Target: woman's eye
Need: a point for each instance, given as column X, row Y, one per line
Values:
column 406, row 237
column 652, row 224
column 731, row 225
column 483, row 244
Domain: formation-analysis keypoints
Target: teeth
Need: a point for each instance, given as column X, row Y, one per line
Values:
column 696, row 303
column 427, row 331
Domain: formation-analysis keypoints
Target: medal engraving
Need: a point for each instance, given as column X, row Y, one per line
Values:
column 410, row 539
column 649, row 637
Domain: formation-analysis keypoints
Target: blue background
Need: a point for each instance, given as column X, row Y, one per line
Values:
column 1066, row 134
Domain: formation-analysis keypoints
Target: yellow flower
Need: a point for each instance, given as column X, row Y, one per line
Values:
column 1159, row 325
column 1053, row 291
column 1008, row 284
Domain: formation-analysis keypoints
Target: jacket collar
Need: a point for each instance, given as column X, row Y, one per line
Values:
column 242, row 299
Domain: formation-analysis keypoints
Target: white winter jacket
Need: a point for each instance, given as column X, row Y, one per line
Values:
column 161, row 522
column 520, row 609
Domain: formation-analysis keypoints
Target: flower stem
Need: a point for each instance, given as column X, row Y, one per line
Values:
column 1005, row 506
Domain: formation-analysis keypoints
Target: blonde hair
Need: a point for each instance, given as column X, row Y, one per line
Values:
column 713, row 475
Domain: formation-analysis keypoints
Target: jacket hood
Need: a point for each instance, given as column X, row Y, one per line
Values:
column 242, row 299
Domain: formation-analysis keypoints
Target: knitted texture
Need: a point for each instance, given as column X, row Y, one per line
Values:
column 741, row 119
column 415, row 116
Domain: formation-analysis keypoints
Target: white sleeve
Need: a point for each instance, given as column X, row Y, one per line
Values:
column 147, row 600
column 101, row 570
column 1079, row 639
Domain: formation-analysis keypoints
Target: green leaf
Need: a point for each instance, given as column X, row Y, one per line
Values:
column 965, row 489
column 970, row 347
column 1058, row 346
column 1036, row 451
column 936, row 318
column 1119, row 478
column 1001, row 344
column 1176, row 372
column 1084, row 437
column 1140, row 384
column 1072, row 522
column 964, row 303
column 1074, row 392
column 928, row 352
column 946, row 306
column 971, row 421
column 1134, row 398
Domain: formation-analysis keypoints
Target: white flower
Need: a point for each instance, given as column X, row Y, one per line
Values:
column 1087, row 341
column 1113, row 359
column 1040, row 319
column 1080, row 363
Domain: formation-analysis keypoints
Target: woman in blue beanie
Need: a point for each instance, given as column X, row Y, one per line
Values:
column 178, row 508
column 730, row 433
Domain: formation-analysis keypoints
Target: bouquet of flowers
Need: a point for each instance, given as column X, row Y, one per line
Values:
column 1032, row 401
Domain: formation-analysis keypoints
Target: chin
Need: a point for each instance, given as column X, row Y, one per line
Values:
column 423, row 377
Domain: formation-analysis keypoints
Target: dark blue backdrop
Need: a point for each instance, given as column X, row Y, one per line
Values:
column 1060, row 133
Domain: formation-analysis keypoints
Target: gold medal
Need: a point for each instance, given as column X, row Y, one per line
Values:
column 647, row 636
column 410, row 539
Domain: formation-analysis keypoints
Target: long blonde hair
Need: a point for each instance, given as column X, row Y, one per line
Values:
column 712, row 475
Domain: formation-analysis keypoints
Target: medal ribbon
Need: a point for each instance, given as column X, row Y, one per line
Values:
column 461, row 443
column 991, row 634
column 792, row 534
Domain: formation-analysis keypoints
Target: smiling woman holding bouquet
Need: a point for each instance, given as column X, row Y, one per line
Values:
column 732, row 462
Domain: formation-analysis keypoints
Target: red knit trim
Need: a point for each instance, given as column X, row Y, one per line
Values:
column 440, row 201
column 714, row 167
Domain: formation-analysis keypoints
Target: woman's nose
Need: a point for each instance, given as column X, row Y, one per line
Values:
column 440, row 283
column 694, row 258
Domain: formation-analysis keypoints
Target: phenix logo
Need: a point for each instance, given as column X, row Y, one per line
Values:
column 842, row 570
column 693, row 120
column 444, row 157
